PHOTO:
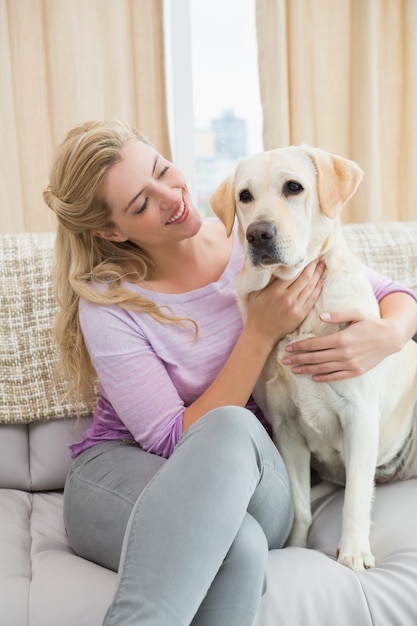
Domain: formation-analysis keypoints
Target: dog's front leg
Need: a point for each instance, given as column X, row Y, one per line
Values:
column 296, row 455
column 361, row 428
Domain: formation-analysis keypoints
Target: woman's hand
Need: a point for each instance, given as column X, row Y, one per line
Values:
column 279, row 308
column 273, row 312
column 360, row 346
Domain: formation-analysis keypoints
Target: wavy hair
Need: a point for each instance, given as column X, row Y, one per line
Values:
column 83, row 260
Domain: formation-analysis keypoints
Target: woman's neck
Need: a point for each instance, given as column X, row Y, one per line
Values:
column 192, row 263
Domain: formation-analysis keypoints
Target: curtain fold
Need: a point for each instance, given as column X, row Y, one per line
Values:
column 342, row 75
column 63, row 62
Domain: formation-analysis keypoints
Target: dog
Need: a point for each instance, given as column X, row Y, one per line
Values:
column 358, row 431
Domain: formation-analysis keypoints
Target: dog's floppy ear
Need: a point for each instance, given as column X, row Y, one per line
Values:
column 337, row 179
column 223, row 203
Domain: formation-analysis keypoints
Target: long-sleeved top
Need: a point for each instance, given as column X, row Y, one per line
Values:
column 149, row 371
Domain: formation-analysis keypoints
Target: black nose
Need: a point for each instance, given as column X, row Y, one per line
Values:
column 260, row 233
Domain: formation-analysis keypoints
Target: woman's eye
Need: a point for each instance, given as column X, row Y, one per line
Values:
column 142, row 209
column 292, row 188
column 164, row 171
column 245, row 196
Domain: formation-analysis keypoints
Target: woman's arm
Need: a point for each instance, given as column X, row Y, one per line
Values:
column 361, row 345
column 156, row 379
column 272, row 313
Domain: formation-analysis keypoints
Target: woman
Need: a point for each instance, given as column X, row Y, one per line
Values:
column 177, row 464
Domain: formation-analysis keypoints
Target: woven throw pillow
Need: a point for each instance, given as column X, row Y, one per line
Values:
column 28, row 351
column 388, row 247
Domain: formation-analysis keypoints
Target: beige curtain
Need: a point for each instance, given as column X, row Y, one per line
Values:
column 63, row 62
column 342, row 75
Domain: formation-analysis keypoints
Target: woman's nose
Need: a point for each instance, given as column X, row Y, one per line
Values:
column 168, row 196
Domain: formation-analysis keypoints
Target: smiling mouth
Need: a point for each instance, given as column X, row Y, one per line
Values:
column 178, row 215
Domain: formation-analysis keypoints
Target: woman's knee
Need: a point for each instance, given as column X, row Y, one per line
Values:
column 233, row 432
column 229, row 426
column 238, row 440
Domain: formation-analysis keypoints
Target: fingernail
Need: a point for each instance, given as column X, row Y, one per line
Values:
column 287, row 361
column 289, row 348
column 325, row 316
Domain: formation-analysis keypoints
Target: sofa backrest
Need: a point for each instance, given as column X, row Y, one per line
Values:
column 35, row 457
column 36, row 421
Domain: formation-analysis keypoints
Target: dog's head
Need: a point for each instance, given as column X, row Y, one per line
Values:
column 286, row 202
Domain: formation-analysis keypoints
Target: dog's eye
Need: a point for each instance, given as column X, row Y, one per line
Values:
column 245, row 196
column 292, row 188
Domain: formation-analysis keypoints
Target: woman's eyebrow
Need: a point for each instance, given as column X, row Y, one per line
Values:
column 133, row 200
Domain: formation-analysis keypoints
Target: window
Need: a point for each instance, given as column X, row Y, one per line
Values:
column 215, row 111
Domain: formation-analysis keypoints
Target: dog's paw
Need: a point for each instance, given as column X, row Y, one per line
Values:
column 357, row 562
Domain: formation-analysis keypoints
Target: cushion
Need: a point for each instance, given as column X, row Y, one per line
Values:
column 28, row 351
column 35, row 457
column 390, row 248
column 308, row 586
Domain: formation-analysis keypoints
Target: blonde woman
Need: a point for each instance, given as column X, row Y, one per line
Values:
column 177, row 484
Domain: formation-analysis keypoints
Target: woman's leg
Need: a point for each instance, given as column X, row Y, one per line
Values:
column 234, row 594
column 101, row 490
column 190, row 532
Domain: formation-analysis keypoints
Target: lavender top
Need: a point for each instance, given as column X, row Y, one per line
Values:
column 149, row 372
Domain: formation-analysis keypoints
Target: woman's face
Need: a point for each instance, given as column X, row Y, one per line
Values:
column 150, row 202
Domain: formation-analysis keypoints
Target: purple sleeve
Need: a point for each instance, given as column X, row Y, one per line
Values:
column 383, row 286
column 133, row 377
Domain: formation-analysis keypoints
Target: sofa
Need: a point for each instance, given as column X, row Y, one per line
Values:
column 43, row 583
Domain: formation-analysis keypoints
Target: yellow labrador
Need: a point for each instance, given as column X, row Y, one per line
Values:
column 287, row 203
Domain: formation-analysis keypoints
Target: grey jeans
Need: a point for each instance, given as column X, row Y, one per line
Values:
column 189, row 535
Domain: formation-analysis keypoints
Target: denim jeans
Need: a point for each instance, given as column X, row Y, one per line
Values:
column 189, row 535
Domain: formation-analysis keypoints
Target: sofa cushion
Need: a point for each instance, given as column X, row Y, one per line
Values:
column 42, row 582
column 35, row 457
column 49, row 457
column 308, row 586
column 390, row 248
column 28, row 351
column 14, row 457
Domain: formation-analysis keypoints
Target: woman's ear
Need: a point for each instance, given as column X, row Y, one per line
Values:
column 109, row 235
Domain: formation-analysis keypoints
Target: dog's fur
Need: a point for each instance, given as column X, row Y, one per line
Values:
column 287, row 202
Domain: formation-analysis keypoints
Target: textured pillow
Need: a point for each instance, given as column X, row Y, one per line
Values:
column 28, row 352
column 388, row 247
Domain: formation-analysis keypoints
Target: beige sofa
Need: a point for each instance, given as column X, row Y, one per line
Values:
column 42, row 583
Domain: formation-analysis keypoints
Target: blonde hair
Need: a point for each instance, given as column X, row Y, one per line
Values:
column 76, row 195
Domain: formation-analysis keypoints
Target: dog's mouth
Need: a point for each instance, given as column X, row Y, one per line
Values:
column 265, row 260
column 262, row 258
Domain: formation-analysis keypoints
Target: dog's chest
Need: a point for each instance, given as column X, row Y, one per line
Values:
column 296, row 401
